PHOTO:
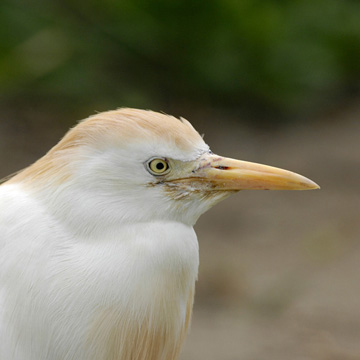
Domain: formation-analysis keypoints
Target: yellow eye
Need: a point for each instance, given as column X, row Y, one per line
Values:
column 158, row 166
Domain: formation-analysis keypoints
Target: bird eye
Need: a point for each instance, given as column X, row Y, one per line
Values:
column 158, row 166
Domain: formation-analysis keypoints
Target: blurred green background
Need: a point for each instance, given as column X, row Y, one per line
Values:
column 273, row 58
column 272, row 81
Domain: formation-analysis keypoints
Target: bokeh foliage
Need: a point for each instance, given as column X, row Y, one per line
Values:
column 275, row 55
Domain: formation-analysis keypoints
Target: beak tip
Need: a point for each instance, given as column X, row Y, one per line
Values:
column 311, row 185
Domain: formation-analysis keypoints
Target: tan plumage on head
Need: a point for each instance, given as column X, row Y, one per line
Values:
column 98, row 257
column 115, row 127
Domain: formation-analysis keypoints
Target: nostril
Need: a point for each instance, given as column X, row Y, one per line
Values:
column 220, row 167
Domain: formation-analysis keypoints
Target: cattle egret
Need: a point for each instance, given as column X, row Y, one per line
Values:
column 98, row 256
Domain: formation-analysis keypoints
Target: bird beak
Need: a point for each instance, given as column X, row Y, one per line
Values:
column 221, row 173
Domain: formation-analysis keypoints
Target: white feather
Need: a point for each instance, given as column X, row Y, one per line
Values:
column 90, row 252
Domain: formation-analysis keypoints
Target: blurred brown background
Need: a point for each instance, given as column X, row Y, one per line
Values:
column 276, row 82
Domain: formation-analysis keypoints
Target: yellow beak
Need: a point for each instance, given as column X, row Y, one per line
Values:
column 229, row 174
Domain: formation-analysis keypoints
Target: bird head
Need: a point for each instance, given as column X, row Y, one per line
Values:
column 134, row 165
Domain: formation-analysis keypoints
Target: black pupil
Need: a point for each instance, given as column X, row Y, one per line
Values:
column 160, row 166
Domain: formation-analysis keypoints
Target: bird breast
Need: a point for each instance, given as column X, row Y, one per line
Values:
column 126, row 295
column 152, row 282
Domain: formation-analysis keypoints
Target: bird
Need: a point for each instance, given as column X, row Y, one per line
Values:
column 98, row 255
